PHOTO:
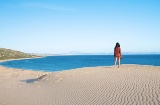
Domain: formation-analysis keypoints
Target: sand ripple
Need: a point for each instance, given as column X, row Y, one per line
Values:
column 129, row 85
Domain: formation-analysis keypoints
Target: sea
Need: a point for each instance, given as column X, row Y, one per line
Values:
column 60, row 63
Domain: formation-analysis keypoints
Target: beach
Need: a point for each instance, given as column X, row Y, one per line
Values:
column 103, row 85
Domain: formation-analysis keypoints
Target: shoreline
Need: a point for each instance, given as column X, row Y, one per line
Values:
column 20, row 59
column 112, row 66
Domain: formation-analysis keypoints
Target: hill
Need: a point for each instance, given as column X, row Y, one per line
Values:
column 13, row 54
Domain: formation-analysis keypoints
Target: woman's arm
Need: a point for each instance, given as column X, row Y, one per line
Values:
column 120, row 53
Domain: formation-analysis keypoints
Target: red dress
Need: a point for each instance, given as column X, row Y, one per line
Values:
column 117, row 52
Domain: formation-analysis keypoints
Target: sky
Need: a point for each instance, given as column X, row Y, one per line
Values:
column 90, row 26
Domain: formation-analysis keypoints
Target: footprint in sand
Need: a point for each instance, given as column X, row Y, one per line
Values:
column 58, row 80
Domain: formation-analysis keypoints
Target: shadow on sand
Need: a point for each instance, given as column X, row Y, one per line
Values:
column 29, row 80
column 34, row 80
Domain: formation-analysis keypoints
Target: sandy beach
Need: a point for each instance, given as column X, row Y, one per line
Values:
column 127, row 85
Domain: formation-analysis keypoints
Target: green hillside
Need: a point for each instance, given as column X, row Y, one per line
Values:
column 12, row 54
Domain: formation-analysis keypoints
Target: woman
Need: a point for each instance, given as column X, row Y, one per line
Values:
column 117, row 54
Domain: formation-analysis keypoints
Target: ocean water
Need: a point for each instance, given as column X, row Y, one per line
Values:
column 58, row 63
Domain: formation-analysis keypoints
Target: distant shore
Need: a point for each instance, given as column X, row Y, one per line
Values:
column 21, row 58
column 129, row 84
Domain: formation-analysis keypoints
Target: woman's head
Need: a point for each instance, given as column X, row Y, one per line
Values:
column 117, row 45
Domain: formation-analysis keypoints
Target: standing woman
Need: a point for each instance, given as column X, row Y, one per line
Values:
column 117, row 54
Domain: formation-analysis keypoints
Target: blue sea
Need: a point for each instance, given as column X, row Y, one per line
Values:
column 58, row 63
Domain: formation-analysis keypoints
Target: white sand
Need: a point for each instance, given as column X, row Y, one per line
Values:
column 128, row 85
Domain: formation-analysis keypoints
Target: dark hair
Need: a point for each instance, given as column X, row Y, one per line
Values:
column 117, row 45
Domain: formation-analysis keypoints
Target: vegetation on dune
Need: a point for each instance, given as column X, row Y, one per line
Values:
column 12, row 54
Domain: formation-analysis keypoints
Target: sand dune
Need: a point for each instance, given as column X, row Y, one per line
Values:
column 128, row 85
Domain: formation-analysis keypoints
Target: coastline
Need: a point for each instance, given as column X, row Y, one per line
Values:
column 129, row 84
column 21, row 59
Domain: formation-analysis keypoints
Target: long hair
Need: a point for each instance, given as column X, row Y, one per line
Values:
column 117, row 45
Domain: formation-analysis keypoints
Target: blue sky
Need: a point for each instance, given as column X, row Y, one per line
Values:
column 90, row 26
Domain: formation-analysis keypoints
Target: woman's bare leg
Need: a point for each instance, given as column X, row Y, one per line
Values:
column 118, row 62
column 115, row 61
